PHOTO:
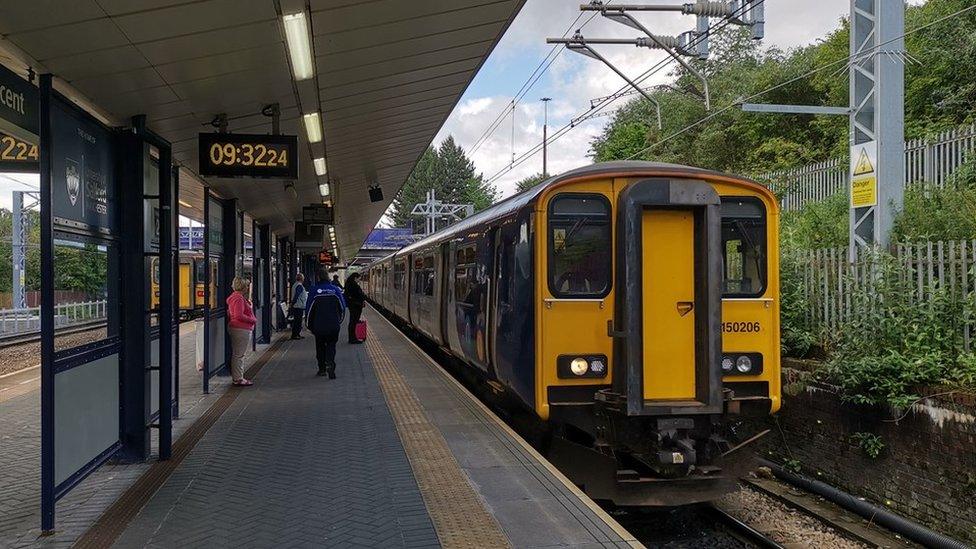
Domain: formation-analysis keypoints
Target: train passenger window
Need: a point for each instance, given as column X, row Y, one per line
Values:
column 579, row 246
column 743, row 247
column 418, row 275
column 399, row 274
column 465, row 272
column 429, row 275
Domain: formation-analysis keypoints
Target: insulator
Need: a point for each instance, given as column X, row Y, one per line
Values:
column 709, row 9
column 660, row 40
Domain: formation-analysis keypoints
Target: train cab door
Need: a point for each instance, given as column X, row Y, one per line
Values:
column 669, row 298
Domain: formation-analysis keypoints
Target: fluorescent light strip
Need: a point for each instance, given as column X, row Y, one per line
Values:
column 313, row 127
column 299, row 45
column 324, row 189
column 319, row 166
column 185, row 204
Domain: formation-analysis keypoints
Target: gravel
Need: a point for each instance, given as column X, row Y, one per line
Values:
column 781, row 523
column 675, row 528
column 24, row 355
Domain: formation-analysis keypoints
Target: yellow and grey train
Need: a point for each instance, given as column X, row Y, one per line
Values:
column 632, row 307
column 191, row 283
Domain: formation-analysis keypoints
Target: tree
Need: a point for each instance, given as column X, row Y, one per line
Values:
column 451, row 174
column 939, row 94
column 529, row 182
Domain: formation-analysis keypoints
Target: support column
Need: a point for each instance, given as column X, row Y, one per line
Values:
column 136, row 378
column 877, row 95
column 268, row 305
column 232, row 259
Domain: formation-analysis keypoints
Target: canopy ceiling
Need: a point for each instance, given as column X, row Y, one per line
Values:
column 388, row 73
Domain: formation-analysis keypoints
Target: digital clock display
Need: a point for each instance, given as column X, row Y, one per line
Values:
column 17, row 155
column 245, row 155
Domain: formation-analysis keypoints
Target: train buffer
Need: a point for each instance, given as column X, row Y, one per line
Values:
column 392, row 453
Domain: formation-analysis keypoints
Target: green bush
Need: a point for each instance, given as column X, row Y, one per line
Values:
column 895, row 343
column 939, row 213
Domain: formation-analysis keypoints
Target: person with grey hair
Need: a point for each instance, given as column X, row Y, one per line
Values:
column 298, row 298
column 240, row 324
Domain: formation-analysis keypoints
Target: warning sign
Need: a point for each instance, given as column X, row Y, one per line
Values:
column 864, row 180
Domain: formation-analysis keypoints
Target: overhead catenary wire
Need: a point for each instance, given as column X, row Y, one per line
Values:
column 595, row 109
column 870, row 51
column 529, row 83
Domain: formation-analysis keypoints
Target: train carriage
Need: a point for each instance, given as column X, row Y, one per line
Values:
column 631, row 306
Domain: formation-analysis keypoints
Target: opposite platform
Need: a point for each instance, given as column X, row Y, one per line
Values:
column 393, row 453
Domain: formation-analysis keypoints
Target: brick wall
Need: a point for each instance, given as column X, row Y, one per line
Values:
column 926, row 471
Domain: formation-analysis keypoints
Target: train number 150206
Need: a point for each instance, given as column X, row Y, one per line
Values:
column 739, row 327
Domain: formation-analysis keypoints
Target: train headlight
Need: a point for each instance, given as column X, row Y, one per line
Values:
column 742, row 364
column 576, row 366
column 579, row 366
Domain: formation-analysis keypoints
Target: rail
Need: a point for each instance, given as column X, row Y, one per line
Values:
column 28, row 320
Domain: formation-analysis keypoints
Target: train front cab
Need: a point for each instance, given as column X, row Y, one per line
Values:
column 658, row 318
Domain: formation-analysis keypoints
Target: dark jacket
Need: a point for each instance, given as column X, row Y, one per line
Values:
column 325, row 309
column 355, row 296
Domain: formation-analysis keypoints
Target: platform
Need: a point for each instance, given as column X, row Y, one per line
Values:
column 393, row 453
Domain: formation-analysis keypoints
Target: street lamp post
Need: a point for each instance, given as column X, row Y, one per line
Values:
column 545, row 137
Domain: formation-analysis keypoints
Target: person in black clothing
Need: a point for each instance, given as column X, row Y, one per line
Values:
column 335, row 281
column 297, row 309
column 325, row 310
column 355, row 300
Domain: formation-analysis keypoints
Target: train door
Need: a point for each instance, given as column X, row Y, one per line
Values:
column 668, row 298
column 668, row 284
column 444, row 299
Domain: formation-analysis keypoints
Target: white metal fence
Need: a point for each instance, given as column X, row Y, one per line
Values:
column 25, row 321
column 930, row 160
column 830, row 279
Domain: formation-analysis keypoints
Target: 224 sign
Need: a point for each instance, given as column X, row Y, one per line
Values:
column 17, row 155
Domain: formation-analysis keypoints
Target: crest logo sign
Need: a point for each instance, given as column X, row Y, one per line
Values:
column 73, row 181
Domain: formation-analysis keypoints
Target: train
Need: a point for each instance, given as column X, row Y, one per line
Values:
column 631, row 309
column 191, row 285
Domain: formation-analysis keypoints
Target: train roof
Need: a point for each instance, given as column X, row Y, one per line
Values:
column 516, row 202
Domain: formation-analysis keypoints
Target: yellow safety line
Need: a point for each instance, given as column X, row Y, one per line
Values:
column 626, row 536
column 459, row 516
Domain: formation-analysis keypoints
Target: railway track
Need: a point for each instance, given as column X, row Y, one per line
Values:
column 19, row 339
column 740, row 530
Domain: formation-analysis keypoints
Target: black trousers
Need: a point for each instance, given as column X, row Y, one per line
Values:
column 325, row 351
column 296, row 321
column 355, row 313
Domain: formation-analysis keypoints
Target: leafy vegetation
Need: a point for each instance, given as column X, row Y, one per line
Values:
column 896, row 343
column 78, row 268
column 451, row 174
column 529, row 182
column 939, row 94
column 871, row 444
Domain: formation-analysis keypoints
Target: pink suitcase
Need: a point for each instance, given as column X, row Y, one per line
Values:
column 361, row 330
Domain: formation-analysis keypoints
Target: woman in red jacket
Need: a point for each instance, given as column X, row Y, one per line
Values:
column 240, row 323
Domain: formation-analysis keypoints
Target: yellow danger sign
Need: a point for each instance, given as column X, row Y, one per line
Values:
column 864, row 180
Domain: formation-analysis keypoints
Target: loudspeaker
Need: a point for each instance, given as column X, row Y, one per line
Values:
column 375, row 194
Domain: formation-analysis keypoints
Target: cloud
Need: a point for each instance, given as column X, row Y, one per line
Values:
column 572, row 80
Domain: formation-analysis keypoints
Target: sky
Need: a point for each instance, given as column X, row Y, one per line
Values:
column 573, row 79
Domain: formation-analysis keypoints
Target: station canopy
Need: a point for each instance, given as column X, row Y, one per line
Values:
column 387, row 74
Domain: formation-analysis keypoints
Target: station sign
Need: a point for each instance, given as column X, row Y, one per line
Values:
column 864, row 179
column 317, row 214
column 309, row 236
column 248, row 155
column 19, row 106
column 18, row 155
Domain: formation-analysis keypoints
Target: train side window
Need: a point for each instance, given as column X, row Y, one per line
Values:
column 429, row 275
column 464, row 275
column 579, row 245
column 399, row 274
column 743, row 246
column 418, row 275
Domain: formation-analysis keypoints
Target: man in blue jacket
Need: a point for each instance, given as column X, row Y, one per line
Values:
column 324, row 311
